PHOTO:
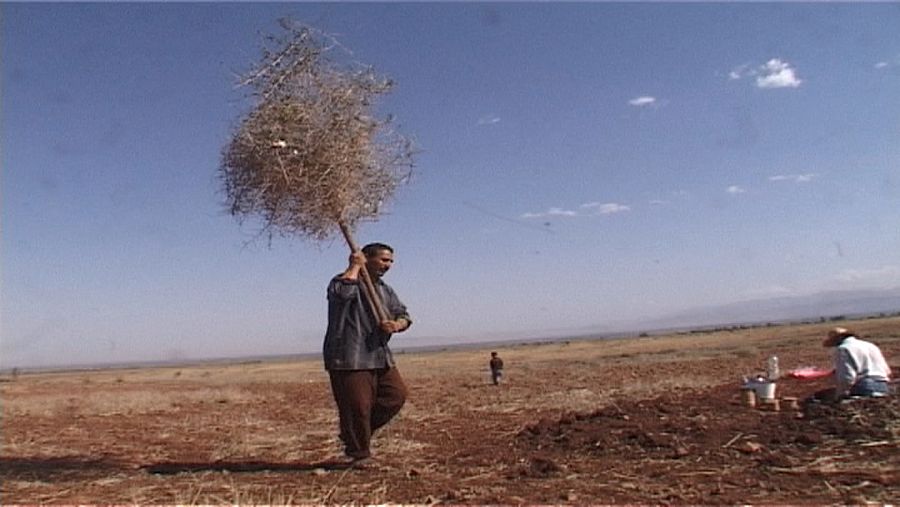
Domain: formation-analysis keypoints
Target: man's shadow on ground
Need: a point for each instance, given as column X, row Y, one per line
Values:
column 244, row 466
column 48, row 468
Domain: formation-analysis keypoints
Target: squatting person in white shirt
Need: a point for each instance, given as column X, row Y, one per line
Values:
column 859, row 366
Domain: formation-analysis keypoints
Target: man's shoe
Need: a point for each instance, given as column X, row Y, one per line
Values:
column 345, row 462
column 366, row 462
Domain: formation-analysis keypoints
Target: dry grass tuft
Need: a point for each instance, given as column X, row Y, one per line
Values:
column 310, row 154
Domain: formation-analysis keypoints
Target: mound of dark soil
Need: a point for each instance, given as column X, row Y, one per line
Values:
column 712, row 440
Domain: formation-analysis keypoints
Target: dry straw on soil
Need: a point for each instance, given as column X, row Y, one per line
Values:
column 311, row 154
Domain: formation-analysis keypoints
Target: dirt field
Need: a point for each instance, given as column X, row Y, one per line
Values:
column 650, row 420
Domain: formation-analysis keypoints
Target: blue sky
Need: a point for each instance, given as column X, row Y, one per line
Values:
column 581, row 165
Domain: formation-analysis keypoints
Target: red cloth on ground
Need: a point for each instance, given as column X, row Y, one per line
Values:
column 809, row 372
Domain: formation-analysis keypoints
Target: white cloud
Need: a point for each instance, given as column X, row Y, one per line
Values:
column 881, row 65
column 552, row 212
column 642, row 101
column 561, row 212
column 607, row 208
column 885, row 275
column 777, row 74
column 658, row 202
column 740, row 72
column 590, row 208
column 488, row 120
column 768, row 292
column 796, row 178
column 734, row 189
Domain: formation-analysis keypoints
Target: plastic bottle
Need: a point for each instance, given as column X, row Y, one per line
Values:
column 772, row 371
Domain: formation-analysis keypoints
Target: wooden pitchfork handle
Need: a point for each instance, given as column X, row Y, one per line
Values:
column 372, row 295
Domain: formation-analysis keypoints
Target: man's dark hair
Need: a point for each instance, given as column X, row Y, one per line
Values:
column 373, row 248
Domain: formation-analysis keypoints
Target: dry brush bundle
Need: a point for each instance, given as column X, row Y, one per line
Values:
column 311, row 158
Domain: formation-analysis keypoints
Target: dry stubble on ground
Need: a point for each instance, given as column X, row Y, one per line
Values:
column 649, row 420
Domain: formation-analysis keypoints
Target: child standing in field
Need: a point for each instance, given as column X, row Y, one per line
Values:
column 496, row 368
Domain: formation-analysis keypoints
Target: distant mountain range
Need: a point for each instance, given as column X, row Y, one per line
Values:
column 847, row 303
column 813, row 307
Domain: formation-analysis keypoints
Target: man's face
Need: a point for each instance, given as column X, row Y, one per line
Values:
column 379, row 263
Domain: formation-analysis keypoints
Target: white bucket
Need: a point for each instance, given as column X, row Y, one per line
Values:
column 765, row 389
